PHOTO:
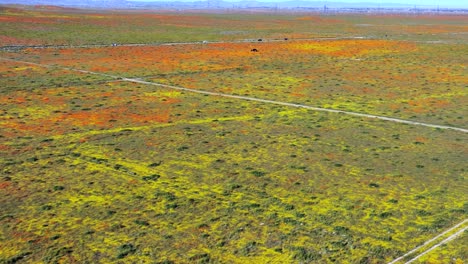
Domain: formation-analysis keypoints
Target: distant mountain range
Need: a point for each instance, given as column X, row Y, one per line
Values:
column 209, row 4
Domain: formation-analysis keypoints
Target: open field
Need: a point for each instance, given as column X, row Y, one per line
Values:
column 421, row 82
column 97, row 168
column 46, row 26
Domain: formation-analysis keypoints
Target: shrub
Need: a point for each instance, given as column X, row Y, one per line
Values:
column 182, row 148
column 17, row 258
column 172, row 206
column 200, row 258
column 306, row 254
column 155, row 164
column 54, row 255
column 258, row 173
column 385, row 214
column 46, row 207
column 141, row 222
column 153, row 177
column 166, row 262
column 125, row 250
column 248, row 248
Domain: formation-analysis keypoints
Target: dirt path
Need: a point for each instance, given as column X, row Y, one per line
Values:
column 246, row 98
column 20, row 47
column 450, row 238
column 428, row 242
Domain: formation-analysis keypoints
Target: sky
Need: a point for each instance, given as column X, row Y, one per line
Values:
column 434, row 3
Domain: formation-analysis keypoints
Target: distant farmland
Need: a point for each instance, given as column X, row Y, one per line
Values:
column 164, row 138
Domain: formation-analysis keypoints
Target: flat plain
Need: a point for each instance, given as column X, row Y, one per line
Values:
column 131, row 153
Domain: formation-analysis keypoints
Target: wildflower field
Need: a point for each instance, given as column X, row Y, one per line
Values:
column 168, row 149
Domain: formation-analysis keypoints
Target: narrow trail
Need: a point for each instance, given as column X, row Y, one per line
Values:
column 18, row 47
column 155, row 44
column 428, row 242
column 247, row 98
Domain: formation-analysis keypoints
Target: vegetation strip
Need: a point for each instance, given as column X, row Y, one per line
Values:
column 391, row 119
column 453, row 236
column 10, row 47
column 139, row 128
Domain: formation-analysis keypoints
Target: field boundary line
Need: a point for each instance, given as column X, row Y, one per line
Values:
column 247, row 98
column 453, row 236
column 155, row 44
column 173, row 43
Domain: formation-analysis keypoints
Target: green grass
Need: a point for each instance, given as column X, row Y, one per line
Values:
column 236, row 182
column 95, row 169
column 35, row 26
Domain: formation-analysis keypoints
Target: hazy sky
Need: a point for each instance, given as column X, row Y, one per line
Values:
column 441, row 3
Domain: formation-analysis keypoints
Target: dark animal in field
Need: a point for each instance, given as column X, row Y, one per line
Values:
column 259, row 39
column 254, row 50
column 285, row 38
